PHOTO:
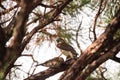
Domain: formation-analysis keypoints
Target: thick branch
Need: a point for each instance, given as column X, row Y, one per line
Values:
column 116, row 59
column 98, row 62
column 8, row 10
column 14, row 51
column 46, row 22
column 95, row 48
column 2, row 45
column 50, row 72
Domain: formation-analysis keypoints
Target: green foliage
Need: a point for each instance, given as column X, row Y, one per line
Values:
column 111, row 9
column 117, row 35
column 93, row 78
column 119, row 74
column 64, row 33
column 75, row 6
column 1, row 75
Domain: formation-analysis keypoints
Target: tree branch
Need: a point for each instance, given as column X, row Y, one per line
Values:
column 2, row 46
column 14, row 51
column 8, row 10
column 96, row 63
column 51, row 71
column 96, row 17
column 116, row 59
column 46, row 22
column 77, row 33
column 94, row 49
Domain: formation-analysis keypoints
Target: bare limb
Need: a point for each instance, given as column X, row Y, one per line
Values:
column 46, row 22
column 48, row 6
column 94, row 49
column 102, row 72
column 50, row 72
column 14, row 51
column 98, row 62
column 2, row 46
column 96, row 17
column 30, row 55
column 77, row 41
column 116, row 59
column 8, row 10
column 89, row 34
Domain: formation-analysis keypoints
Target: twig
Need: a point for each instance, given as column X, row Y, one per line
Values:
column 116, row 59
column 89, row 34
column 8, row 10
column 77, row 32
column 94, row 50
column 102, row 72
column 96, row 17
column 30, row 70
column 30, row 55
column 47, row 6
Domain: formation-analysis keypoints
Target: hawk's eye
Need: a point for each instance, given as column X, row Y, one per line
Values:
column 58, row 40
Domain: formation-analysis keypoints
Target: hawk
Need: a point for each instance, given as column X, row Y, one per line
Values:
column 66, row 49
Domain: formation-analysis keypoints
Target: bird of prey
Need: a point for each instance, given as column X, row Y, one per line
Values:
column 53, row 63
column 66, row 49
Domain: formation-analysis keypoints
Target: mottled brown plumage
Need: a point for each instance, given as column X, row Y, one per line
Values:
column 66, row 49
column 53, row 63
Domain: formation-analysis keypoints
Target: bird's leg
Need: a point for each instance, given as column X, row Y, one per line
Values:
column 68, row 58
column 60, row 55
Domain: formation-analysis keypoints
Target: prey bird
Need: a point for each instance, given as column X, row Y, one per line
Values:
column 53, row 63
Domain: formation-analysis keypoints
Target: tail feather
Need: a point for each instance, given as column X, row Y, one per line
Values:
column 42, row 64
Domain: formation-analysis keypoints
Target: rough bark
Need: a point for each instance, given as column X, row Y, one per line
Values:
column 14, row 51
column 96, row 63
column 102, row 44
column 18, row 42
column 97, row 53
column 2, row 46
column 51, row 71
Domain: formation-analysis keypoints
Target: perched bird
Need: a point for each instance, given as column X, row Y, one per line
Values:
column 66, row 49
column 53, row 63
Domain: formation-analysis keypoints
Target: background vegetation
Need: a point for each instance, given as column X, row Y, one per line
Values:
column 29, row 27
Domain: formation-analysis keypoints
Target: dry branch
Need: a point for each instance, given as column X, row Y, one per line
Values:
column 90, row 56
column 8, row 10
column 50, row 72
column 16, row 47
column 91, row 67
column 97, row 15
column 46, row 22
column 77, row 33
column 116, row 59
column 93, row 51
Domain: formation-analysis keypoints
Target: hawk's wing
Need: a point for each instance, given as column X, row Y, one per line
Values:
column 67, row 47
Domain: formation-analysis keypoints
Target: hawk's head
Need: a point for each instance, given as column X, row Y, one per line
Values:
column 60, row 40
